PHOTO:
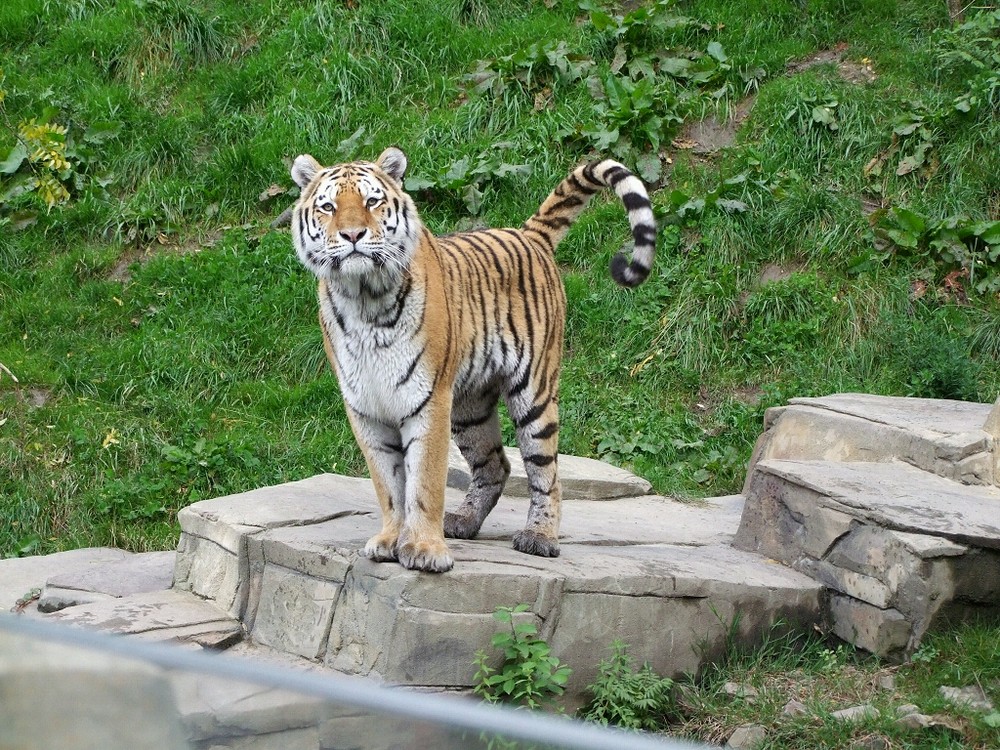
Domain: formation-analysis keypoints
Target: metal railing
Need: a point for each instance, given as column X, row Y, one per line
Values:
column 382, row 717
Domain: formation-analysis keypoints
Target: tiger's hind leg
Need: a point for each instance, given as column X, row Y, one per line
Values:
column 537, row 423
column 475, row 425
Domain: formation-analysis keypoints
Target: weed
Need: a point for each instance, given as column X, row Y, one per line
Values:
column 625, row 696
column 955, row 246
column 529, row 676
column 467, row 178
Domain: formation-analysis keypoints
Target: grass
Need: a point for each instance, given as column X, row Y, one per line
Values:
column 163, row 335
column 825, row 680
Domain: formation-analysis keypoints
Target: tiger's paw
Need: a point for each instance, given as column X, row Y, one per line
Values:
column 533, row 543
column 382, row 548
column 460, row 527
column 432, row 557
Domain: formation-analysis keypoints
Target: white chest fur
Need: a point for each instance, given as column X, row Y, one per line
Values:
column 382, row 370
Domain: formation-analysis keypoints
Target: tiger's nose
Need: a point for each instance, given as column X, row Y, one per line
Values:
column 353, row 235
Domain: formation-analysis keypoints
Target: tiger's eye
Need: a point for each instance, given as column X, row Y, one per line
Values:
column 372, row 202
column 327, row 208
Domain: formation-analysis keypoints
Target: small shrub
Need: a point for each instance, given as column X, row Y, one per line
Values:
column 627, row 697
column 530, row 676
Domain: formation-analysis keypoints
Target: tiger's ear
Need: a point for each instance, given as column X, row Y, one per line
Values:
column 393, row 163
column 304, row 168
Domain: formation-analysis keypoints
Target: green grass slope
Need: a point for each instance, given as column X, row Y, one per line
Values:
column 163, row 336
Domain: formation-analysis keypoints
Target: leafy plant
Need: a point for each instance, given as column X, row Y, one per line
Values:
column 955, row 245
column 466, row 178
column 529, row 676
column 619, row 450
column 639, row 25
column 681, row 206
column 530, row 68
column 633, row 117
column 812, row 113
column 971, row 52
column 628, row 697
column 47, row 161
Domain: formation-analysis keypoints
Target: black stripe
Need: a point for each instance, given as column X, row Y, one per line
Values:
column 616, row 174
column 644, row 234
column 547, row 431
column 635, row 201
column 489, row 457
column 420, row 406
column 532, row 414
column 521, row 384
column 539, row 460
column 411, row 368
column 580, row 187
column 336, row 313
column 399, row 304
column 570, row 201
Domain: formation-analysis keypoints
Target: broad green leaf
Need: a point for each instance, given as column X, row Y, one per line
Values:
column 100, row 132
column 903, row 238
column 414, row 184
column 909, row 220
column 678, row 67
column 649, row 167
column 504, row 170
column 988, row 232
column 732, row 206
column 14, row 159
column 455, row 176
column 716, row 51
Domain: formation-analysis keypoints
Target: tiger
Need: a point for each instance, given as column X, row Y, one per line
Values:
column 426, row 334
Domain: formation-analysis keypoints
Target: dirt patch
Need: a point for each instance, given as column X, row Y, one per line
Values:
column 779, row 271
column 852, row 71
column 710, row 135
column 122, row 269
column 708, row 401
column 36, row 398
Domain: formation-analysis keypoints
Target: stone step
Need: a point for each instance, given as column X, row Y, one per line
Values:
column 23, row 578
column 659, row 574
column 160, row 616
column 135, row 574
column 581, row 478
column 954, row 439
column 901, row 549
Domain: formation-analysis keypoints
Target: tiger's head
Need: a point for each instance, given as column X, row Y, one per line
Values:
column 354, row 220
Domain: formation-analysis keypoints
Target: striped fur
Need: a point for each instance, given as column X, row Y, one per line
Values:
column 426, row 334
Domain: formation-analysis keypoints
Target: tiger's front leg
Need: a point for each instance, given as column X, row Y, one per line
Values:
column 383, row 450
column 425, row 437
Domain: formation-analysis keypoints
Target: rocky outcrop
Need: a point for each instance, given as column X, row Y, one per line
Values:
column 890, row 503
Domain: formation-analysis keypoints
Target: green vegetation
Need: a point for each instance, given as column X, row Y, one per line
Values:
column 790, row 688
column 529, row 675
column 627, row 697
column 163, row 336
column 824, row 680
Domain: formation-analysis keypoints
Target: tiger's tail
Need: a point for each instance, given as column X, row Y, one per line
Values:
column 564, row 204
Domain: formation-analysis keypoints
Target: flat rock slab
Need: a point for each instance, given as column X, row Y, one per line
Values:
column 292, row 573
column 581, row 478
column 149, row 571
column 898, row 496
column 898, row 548
column 157, row 616
column 948, row 438
column 20, row 575
column 939, row 416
